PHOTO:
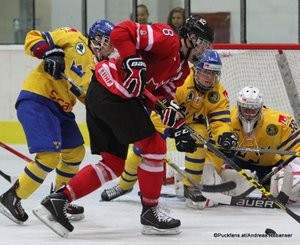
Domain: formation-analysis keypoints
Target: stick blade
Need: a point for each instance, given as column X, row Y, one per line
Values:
column 226, row 186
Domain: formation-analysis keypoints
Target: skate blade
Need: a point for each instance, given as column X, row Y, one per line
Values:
column 75, row 217
column 194, row 205
column 150, row 230
column 71, row 217
column 6, row 212
column 45, row 216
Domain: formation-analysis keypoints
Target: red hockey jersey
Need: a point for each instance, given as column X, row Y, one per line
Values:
column 159, row 46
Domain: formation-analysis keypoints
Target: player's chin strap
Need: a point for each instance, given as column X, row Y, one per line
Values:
column 232, row 164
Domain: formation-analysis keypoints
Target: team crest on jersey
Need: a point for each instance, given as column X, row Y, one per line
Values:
column 80, row 48
column 283, row 119
column 213, row 97
column 272, row 129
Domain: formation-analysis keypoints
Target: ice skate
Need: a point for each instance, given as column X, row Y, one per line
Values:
column 75, row 212
column 53, row 213
column 113, row 192
column 157, row 221
column 10, row 205
column 194, row 197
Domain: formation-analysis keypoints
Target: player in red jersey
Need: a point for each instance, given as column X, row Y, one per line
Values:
column 151, row 57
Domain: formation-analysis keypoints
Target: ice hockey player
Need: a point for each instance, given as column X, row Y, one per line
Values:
column 259, row 127
column 204, row 100
column 116, row 116
column 44, row 108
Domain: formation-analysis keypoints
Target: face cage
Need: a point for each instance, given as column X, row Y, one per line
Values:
column 198, row 42
column 102, row 46
column 214, row 78
column 249, row 113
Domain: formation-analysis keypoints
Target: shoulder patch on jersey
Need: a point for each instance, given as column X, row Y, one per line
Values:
column 190, row 96
column 213, row 97
column 80, row 48
column 283, row 119
column 272, row 129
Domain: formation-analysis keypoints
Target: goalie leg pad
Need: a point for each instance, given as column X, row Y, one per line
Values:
column 241, row 183
column 285, row 181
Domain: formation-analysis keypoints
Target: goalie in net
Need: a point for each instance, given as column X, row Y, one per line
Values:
column 263, row 128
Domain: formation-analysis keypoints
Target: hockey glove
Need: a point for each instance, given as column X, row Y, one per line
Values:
column 172, row 116
column 228, row 140
column 135, row 79
column 54, row 62
column 183, row 140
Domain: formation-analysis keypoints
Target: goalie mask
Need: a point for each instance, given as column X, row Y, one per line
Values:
column 207, row 71
column 200, row 35
column 250, row 104
column 99, row 39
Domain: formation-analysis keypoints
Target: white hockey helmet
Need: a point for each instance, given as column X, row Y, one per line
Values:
column 250, row 103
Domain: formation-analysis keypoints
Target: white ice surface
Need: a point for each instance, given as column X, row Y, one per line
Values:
column 117, row 222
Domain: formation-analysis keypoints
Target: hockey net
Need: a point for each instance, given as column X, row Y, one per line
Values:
column 273, row 68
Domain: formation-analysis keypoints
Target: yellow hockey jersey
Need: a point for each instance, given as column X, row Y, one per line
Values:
column 78, row 61
column 200, row 108
column 275, row 130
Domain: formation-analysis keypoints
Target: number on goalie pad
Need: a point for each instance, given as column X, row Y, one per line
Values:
column 241, row 183
column 287, row 182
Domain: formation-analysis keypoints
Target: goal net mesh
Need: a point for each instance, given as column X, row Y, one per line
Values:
column 257, row 65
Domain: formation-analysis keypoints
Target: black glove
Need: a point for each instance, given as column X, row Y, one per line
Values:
column 183, row 140
column 172, row 116
column 135, row 79
column 228, row 140
column 54, row 62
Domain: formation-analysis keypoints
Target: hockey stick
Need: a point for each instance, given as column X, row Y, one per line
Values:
column 206, row 188
column 6, row 147
column 9, row 178
column 76, row 89
column 219, row 197
column 260, row 150
column 232, row 164
column 6, row 176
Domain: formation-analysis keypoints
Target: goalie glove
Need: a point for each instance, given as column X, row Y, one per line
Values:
column 54, row 62
column 135, row 79
column 183, row 140
column 172, row 116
